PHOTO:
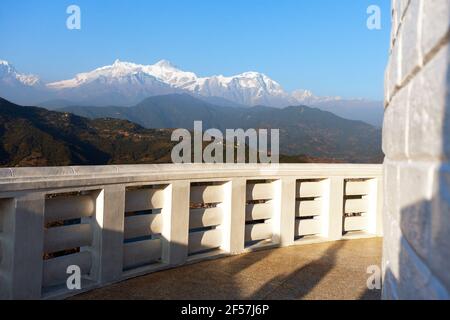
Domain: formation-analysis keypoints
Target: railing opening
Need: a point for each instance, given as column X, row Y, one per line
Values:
column 356, row 205
column 259, row 212
column 309, row 208
column 205, row 217
column 143, row 225
column 68, row 236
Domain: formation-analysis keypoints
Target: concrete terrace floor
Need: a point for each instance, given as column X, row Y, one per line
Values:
column 333, row 270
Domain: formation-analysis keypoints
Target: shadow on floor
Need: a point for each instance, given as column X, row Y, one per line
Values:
column 335, row 270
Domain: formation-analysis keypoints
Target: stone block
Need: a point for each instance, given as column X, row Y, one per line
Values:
column 415, row 190
column 415, row 279
column 392, row 237
column 411, row 57
column 391, row 178
column 428, row 110
column 395, row 126
column 439, row 250
column 394, row 70
column 435, row 23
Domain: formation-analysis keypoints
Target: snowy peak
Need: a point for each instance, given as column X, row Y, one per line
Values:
column 9, row 74
column 119, row 71
column 165, row 64
column 5, row 67
column 121, row 65
column 163, row 72
column 301, row 94
column 256, row 79
column 29, row 79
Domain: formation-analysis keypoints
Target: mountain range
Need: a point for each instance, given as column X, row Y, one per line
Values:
column 126, row 84
column 32, row 136
column 303, row 130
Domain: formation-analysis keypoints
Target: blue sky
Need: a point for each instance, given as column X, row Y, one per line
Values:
column 320, row 45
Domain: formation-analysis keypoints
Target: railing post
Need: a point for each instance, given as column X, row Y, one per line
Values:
column 284, row 211
column 336, row 207
column 234, row 216
column 108, row 234
column 27, row 243
column 376, row 207
column 175, row 234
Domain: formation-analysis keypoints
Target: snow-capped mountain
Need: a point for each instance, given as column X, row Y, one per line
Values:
column 9, row 75
column 19, row 87
column 248, row 88
column 126, row 84
column 136, row 81
column 121, row 83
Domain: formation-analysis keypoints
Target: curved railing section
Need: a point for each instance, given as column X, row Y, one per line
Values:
column 117, row 222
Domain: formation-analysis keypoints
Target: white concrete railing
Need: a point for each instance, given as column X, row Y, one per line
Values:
column 116, row 222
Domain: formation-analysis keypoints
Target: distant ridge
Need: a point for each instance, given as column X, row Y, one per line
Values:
column 32, row 136
column 303, row 130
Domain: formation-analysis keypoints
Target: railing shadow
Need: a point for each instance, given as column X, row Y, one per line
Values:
column 304, row 279
column 228, row 279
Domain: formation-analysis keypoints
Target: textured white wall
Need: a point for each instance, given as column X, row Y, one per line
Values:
column 416, row 142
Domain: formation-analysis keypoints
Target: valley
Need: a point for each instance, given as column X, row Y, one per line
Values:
column 303, row 130
column 36, row 137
